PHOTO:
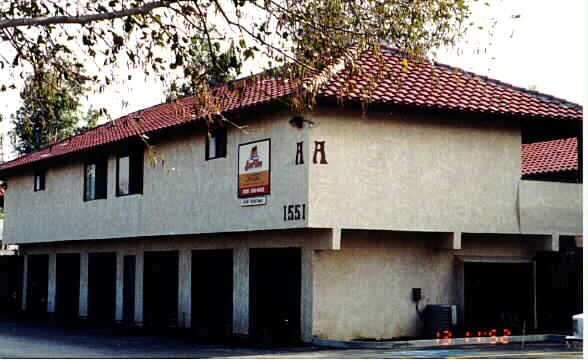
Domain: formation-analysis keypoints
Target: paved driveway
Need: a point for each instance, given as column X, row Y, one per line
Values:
column 21, row 338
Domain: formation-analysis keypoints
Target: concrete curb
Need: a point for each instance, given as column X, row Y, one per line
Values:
column 439, row 343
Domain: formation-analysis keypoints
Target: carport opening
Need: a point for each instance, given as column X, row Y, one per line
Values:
column 212, row 294
column 498, row 296
column 67, row 287
column 160, row 289
column 559, row 287
column 101, row 287
column 37, row 283
column 275, row 290
column 11, row 268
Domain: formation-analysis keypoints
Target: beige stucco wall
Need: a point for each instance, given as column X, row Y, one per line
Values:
column 187, row 195
column 391, row 171
column 551, row 207
column 364, row 289
column 410, row 171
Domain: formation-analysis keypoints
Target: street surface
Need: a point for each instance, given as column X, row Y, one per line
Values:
column 21, row 338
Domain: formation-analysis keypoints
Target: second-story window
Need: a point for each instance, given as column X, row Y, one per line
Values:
column 39, row 182
column 129, row 173
column 216, row 143
column 95, row 175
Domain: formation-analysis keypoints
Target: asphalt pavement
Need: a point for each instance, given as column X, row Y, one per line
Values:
column 26, row 338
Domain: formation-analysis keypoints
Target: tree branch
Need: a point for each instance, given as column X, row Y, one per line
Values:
column 84, row 19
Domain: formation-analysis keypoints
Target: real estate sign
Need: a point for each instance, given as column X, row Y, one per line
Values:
column 254, row 168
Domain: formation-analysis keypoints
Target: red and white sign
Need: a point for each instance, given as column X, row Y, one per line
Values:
column 254, row 168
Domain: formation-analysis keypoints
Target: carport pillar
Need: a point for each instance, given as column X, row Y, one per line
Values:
column 306, row 301
column 241, row 291
column 451, row 241
column 334, row 239
column 118, row 314
column 139, row 288
column 25, row 270
column 52, row 282
column 83, row 312
column 549, row 242
column 185, row 289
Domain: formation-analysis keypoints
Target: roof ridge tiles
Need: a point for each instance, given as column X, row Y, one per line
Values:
column 534, row 93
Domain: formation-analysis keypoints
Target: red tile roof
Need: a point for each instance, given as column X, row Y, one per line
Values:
column 439, row 86
column 160, row 117
column 425, row 85
column 549, row 156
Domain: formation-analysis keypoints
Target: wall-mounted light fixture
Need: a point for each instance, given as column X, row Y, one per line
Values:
column 298, row 122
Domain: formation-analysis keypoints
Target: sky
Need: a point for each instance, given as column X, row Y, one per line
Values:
column 544, row 49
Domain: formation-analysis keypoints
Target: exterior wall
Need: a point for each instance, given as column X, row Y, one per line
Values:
column 400, row 171
column 365, row 292
column 551, row 207
column 183, row 195
column 405, row 171
column 364, row 289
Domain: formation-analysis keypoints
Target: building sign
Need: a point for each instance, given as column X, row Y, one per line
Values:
column 254, row 168
column 253, row 201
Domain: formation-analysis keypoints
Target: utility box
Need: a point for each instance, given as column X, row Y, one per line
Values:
column 578, row 328
column 440, row 319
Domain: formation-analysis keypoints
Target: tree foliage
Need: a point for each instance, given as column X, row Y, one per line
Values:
column 297, row 37
column 50, row 111
column 215, row 71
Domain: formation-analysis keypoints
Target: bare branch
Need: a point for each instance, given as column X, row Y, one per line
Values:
column 85, row 19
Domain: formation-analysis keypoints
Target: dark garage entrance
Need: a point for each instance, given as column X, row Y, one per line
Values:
column 160, row 288
column 11, row 267
column 37, row 283
column 101, row 287
column 499, row 296
column 212, row 293
column 274, row 290
column 67, row 287
column 559, row 288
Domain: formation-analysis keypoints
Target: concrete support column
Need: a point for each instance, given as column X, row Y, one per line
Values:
column 549, row 242
column 307, row 292
column 451, row 241
column 52, row 280
column 139, row 261
column 25, row 272
column 579, row 241
column 241, row 291
column 118, row 313
column 83, row 308
column 185, row 288
column 535, row 317
column 334, row 239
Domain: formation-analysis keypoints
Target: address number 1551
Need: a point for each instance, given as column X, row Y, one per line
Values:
column 294, row 212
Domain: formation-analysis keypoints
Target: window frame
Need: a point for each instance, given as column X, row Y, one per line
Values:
column 101, row 183
column 40, row 185
column 136, row 171
column 220, row 136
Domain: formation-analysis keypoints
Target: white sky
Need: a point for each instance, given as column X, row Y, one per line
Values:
column 544, row 48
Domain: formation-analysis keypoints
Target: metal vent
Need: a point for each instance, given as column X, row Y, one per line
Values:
column 438, row 318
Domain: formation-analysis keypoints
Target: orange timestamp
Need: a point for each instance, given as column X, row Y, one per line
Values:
column 492, row 336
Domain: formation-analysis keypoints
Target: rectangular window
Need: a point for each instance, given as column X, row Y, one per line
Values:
column 216, row 144
column 95, row 174
column 39, row 182
column 129, row 173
